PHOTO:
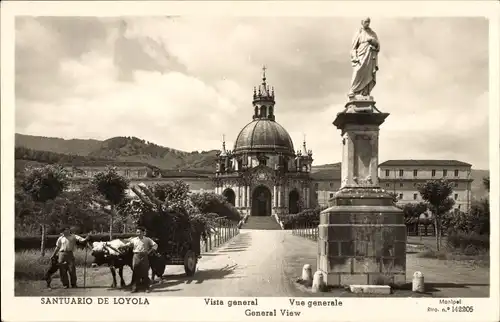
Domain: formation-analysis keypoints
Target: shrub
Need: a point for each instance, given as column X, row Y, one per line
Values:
column 476, row 220
column 308, row 217
column 468, row 243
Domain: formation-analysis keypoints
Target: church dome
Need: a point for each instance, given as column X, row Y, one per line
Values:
column 264, row 135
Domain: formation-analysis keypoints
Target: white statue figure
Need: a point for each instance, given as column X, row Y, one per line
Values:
column 364, row 59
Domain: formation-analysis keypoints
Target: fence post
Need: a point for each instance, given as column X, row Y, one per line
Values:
column 216, row 237
column 220, row 233
column 224, row 230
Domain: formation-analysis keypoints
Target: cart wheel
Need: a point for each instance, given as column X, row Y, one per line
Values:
column 190, row 263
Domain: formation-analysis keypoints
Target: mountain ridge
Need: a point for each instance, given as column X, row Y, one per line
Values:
column 122, row 148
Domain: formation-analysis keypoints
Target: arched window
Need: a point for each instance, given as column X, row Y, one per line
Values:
column 230, row 196
column 263, row 111
column 293, row 202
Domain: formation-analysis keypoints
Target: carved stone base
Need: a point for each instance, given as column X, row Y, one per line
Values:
column 362, row 239
column 361, row 104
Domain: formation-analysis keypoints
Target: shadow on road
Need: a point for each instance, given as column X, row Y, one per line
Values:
column 237, row 245
column 431, row 288
column 198, row 278
column 233, row 250
column 435, row 287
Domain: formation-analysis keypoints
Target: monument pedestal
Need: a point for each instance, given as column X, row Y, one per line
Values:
column 362, row 236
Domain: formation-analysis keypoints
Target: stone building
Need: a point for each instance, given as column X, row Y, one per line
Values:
column 137, row 172
column 263, row 175
column 326, row 182
column 403, row 176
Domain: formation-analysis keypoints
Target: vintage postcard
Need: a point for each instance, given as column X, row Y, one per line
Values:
column 250, row 161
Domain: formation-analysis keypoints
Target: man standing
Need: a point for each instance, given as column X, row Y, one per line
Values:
column 65, row 245
column 142, row 246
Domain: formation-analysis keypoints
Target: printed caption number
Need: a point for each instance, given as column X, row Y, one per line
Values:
column 468, row 309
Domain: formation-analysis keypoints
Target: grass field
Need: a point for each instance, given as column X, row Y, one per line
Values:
column 29, row 265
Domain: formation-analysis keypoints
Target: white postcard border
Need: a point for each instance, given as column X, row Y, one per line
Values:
column 195, row 309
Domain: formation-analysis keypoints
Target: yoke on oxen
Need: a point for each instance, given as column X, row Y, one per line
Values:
column 113, row 254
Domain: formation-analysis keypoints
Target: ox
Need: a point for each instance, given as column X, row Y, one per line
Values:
column 112, row 254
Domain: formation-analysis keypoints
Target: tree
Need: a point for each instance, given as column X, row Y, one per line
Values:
column 476, row 220
column 43, row 185
column 209, row 202
column 395, row 197
column 437, row 194
column 412, row 212
column 112, row 186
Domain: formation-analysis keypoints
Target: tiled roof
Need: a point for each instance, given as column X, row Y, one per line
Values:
column 183, row 174
column 104, row 163
column 330, row 174
column 424, row 163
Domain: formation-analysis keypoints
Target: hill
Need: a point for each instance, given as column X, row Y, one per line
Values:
column 57, row 145
column 477, row 188
column 130, row 149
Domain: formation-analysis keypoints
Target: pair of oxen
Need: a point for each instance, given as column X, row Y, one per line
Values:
column 114, row 255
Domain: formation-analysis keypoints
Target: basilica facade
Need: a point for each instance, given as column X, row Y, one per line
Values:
column 263, row 175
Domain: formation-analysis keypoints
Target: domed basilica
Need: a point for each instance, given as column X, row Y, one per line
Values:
column 263, row 175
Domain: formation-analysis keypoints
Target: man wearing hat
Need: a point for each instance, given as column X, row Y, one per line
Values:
column 141, row 246
column 65, row 246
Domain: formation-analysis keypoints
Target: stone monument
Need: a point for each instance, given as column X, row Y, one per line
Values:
column 362, row 236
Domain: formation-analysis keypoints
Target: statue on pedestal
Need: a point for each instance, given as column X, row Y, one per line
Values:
column 364, row 60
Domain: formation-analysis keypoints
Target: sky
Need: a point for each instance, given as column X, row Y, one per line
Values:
column 184, row 82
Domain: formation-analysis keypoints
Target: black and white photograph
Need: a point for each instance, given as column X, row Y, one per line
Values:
column 324, row 160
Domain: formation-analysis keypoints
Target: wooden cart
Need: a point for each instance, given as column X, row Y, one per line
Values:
column 186, row 253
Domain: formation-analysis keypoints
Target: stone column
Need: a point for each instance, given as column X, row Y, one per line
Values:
column 243, row 196
column 362, row 236
column 304, row 196
column 308, row 198
column 275, row 197
column 286, row 196
column 248, row 196
column 238, row 197
column 279, row 195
